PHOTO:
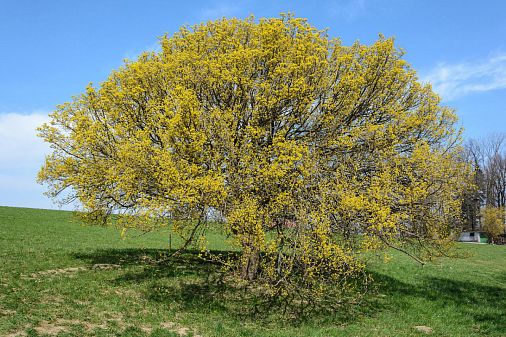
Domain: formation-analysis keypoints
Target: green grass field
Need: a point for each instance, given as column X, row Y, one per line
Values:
column 60, row 278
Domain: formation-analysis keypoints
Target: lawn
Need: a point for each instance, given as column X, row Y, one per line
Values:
column 60, row 278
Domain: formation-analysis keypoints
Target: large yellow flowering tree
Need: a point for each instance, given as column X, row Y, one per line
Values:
column 307, row 152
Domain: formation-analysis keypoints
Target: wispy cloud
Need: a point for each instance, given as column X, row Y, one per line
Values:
column 452, row 81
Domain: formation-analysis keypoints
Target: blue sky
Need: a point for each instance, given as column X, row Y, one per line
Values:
column 50, row 50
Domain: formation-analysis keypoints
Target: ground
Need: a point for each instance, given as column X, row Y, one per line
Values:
column 58, row 278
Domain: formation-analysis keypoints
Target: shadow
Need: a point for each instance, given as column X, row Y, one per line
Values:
column 193, row 284
column 158, row 264
column 125, row 256
column 484, row 304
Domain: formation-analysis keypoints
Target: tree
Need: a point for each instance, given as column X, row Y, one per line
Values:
column 474, row 195
column 494, row 221
column 496, row 179
column 489, row 155
column 310, row 152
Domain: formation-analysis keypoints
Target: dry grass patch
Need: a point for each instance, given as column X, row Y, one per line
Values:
column 70, row 271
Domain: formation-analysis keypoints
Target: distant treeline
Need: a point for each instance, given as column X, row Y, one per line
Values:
column 488, row 159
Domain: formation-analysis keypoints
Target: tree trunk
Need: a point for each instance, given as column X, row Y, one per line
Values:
column 251, row 260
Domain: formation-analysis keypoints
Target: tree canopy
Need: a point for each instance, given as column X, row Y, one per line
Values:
column 306, row 151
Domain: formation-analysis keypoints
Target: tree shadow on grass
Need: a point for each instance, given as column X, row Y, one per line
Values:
column 123, row 256
column 193, row 284
column 484, row 304
column 157, row 264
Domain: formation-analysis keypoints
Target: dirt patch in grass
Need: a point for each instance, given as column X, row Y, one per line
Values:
column 146, row 328
column 180, row 330
column 89, row 327
column 104, row 266
column 167, row 325
column 52, row 299
column 82, row 303
column 424, row 329
column 70, row 271
column 64, row 325
column 7, row 312
column 48, row 328
column 54, row 272
column 18, row 333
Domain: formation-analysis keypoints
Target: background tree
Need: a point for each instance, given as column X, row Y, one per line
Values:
column 474, row 196
column 309, row 151
column 488, row 156
column 494, row 221
column 494, row 162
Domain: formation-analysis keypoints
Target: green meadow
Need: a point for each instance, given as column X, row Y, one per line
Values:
column 59, row 278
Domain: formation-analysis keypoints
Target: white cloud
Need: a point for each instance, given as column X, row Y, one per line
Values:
column 20, row 148
column 452, row 81
column 22, row 154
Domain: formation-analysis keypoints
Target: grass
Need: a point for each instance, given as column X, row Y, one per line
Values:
column 48, row 286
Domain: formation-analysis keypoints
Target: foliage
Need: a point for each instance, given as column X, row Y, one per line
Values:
column 494, row 220
column 306, row 151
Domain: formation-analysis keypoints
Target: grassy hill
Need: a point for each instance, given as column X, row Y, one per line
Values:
column 60, row 278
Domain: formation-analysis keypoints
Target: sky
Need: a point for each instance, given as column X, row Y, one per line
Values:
column 50, row 50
